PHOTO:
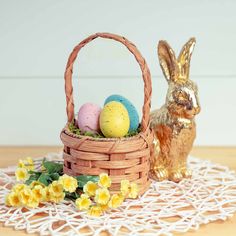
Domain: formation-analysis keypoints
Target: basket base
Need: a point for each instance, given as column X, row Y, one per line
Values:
column 122, row 159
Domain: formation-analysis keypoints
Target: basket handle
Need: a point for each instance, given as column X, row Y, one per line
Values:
column 141, row 61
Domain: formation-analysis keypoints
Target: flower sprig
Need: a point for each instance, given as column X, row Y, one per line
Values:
column 46, row 184
column 49, row 184
column 97, row 197
column 23, row 167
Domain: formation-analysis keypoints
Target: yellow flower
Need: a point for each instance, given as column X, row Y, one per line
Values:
column 13, row 199
column 27, row 163
column 30, row 163
column 56, row 193
column 104, row 180
column 104, row 207
column 124, row 187
column 47, row 195
column 21, row 174
column 55, row 188
column 83, row 203
column 102, row 196
column 69, row 183
column 39, row 193
column 21, row 164
column 57, row 198
column 90, row 188
column 133, row 193
column 128, row 189
column 18, row 187
column 36, row 183
column 33, row 202
column 25, row 195
column 29, row 160
column 95, row 211
column 116, row 200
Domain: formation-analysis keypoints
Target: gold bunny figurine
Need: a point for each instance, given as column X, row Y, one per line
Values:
column 173, row 123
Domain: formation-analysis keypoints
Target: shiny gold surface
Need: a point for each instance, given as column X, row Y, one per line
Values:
column 173, row 123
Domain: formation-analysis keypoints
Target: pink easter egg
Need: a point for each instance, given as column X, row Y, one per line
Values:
column 88, row 117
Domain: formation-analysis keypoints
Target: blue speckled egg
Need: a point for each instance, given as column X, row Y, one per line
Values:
column 133, row 114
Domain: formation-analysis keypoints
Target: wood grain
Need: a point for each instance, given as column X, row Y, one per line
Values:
column 222, row 155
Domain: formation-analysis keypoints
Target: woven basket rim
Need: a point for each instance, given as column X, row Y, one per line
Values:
column 137, row 136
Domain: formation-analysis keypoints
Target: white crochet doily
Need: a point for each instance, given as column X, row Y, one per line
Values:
column 165, row 208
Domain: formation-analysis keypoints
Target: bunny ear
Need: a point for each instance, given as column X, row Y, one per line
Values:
column 167, row 60
column 185, row 57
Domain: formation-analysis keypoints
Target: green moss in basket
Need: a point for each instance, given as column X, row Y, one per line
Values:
column 75, row 130
column 94, row 135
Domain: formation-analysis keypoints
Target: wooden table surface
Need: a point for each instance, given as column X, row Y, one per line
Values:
column 222, row 155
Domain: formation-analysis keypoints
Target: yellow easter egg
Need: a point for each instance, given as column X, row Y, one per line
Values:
column 114, row 120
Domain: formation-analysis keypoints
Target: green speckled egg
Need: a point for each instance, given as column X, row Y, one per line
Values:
column 114, row 120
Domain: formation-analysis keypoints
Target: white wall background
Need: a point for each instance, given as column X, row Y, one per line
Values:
column 36, row 38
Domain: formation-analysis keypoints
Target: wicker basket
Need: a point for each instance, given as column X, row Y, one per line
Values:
column 120, row 158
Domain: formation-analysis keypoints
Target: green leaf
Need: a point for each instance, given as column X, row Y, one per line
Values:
column 31, row 179
column 53, row 167
column 31, row 172
column 83, row 179
column 45, row 179
column 54, row 176
column 72, row 196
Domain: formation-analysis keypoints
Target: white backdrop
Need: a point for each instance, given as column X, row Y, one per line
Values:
column 37, row 36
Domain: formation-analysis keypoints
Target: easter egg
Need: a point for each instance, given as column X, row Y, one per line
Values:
column 133, row 114
column 114, row 120
column 88, row 117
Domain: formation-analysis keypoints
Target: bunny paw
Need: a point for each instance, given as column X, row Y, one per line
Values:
column 186, row 173
column 175, row 176
column 159, row 174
